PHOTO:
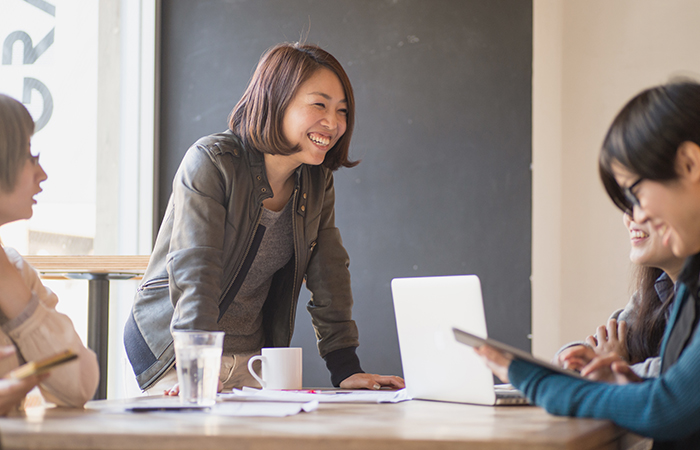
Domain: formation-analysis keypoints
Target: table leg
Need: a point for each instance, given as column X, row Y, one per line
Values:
column 98, row 327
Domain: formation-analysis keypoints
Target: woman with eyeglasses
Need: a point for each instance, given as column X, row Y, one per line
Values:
column 635, row 332
column 30, row 326
column 649, row 165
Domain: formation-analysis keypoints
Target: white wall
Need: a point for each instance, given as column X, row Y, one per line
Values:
column 590, row 57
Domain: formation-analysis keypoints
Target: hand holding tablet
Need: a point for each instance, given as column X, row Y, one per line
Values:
column 476, row 341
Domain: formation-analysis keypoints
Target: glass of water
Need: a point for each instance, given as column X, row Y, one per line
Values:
column 198, row 362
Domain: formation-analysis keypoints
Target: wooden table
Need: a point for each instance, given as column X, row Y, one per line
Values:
column 98, row 270
column 405, row 426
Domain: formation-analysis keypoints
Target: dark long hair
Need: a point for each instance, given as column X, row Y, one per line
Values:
column 646, row 134
column 644, row 139
column 646, row 332
column 257, row 118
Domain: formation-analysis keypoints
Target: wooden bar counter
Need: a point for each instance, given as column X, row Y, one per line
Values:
column 406, row 426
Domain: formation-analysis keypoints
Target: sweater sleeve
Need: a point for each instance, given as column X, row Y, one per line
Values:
column 664, row 408
column 40, row 331
column 341, row 364
column 649, row 368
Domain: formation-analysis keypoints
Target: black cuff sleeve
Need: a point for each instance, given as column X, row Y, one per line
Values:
column 341, row 364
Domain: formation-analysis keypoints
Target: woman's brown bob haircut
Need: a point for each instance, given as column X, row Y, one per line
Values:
column 16, row 127
column 257, row 118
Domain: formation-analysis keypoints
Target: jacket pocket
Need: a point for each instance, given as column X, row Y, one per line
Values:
column 155, row 283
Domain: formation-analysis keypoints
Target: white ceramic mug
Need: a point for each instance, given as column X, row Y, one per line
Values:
column 281, row 368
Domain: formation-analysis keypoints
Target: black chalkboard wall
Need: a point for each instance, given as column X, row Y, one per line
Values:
column 443, row 93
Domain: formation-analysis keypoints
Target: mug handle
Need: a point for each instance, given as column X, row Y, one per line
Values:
column 252, row 372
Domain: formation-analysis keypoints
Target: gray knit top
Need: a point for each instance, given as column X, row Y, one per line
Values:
column 242, row 321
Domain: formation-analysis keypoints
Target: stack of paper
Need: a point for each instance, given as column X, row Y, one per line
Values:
column 321, row 396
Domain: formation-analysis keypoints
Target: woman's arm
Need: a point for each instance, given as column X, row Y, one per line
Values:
column 194, row 260
column 328, row 280
column 14, row 293
column 40, row 331
column 665, row 408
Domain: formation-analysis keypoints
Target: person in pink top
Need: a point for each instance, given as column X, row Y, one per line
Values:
column 30, row 326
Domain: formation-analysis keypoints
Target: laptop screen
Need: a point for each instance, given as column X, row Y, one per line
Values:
column 435, row 365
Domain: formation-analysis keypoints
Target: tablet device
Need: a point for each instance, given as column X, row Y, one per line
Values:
column 476, row 341
column 42, row 365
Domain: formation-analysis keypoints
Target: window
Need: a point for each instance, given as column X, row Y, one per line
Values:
column 86, row 72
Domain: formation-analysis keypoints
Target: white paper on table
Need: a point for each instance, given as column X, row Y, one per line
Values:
column 330, row 396
column 262, row 409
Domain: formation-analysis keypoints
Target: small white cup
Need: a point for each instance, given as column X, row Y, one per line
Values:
column 281, row 368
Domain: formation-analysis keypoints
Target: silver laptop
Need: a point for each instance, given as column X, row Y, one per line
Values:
column 435, row 365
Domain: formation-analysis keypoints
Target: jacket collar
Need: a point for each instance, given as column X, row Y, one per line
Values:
column 259, row 175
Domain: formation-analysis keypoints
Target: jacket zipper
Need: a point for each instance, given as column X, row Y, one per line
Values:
column 296, row 265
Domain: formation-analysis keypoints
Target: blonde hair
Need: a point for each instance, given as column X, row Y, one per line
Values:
column 16, row 127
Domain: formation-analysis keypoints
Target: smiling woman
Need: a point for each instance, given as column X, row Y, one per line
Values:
column 650, row 163
column 635, row 332
column 655, row 139
column 251, row 217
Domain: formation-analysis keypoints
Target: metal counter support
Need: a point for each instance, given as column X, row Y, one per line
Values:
column 98, row 320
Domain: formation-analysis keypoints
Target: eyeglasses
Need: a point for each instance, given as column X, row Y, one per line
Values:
column 630, row 195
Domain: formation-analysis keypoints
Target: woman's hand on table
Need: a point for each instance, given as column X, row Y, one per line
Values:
column 12, row 392
column 372, row 381
column 496, row 361
column 175, row 390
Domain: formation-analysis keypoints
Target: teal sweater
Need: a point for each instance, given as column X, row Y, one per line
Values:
column 665, row 408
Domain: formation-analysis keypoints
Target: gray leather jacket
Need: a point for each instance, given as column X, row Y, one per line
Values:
column 207, row 242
